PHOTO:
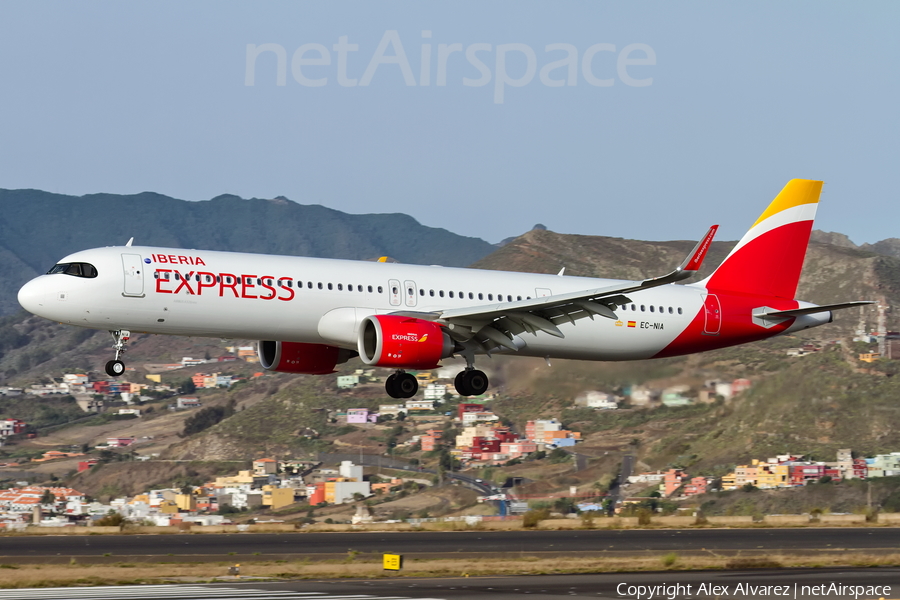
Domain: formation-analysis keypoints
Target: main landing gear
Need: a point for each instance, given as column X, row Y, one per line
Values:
column 471, row 382
column 116, row 367
column 401, row 385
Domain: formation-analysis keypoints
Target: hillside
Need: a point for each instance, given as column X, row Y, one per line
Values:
column 813, row 404
column 38, row 228
column 832, row 272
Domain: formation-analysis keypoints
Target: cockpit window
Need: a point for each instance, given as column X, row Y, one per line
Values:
column 75, row 269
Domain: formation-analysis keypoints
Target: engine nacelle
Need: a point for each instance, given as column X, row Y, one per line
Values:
column 402, row 342
column 296, row 357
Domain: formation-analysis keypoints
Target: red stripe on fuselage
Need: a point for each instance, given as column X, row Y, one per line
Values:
column 737, row 326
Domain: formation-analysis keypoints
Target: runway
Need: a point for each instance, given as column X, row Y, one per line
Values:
column 315, row 546
column 799, row 583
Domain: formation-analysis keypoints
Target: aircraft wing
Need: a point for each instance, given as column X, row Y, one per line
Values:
column 497, row 323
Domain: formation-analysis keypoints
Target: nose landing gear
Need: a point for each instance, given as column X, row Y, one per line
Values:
column 116, row 367
column 401, row 385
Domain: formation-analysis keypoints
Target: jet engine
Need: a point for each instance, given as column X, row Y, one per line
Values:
column 402, row 342
column 296, row 357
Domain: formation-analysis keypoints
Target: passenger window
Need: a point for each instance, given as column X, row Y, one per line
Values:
column 670, row 310
column 509, row 298
column 421, row 291
column 370, row 289
column 177, row 276
column 450, row 293
column 518, row 298
column 394, row 290
column 380, row 289
column 651, row 308
column 359, row 288
column 330, row 287
column 441, row 293
column 633, row 307
column 679, row 310
column 642, row 308
column 661, row 309
column 471, row 296
column 340, row 287
column 480, row 296
column 490, row 296
column 431, row 293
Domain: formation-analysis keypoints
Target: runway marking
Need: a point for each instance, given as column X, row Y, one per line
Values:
column 151, row 592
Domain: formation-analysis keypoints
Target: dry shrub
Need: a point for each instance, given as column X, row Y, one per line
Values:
column 531, row 519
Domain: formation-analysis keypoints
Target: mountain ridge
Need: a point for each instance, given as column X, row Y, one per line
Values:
column 38, row 228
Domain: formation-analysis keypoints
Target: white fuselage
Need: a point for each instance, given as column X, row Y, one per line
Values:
column 312, row 300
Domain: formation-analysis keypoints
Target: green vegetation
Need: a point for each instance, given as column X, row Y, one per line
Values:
column 850, row 496
column 41, row 412
column 207, row 417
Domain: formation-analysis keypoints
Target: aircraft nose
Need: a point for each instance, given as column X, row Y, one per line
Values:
column 32, row 296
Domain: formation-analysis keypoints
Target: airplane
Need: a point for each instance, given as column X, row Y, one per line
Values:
column 311, row 314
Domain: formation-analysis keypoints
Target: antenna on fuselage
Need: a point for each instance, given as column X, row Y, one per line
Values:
column 128, row 244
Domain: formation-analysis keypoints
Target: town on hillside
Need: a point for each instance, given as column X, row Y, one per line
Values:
column 435, row 455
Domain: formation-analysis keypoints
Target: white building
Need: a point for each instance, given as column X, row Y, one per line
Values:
column 469, row 418
column 344, row 490
column 351, row 471
column 187, row 402
column 75, row 379
column 599, row 400
column 391, row 409
column 419, row 405
column 435, row 391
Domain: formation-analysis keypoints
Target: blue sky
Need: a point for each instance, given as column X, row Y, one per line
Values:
column 686, row 114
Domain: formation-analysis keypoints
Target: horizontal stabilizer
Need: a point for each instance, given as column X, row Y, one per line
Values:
column 810, row 310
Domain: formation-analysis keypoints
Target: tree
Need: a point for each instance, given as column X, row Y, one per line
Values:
column 112, row 519
column 187, row 386
column 558, row 455
column 207, row 417
column 47, row 497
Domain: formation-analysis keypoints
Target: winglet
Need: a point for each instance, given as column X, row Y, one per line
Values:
column 694, row 260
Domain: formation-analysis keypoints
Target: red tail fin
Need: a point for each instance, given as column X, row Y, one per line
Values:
column 769, row 258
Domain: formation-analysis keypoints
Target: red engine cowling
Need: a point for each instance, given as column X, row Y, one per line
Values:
column 296, row 357
column 402, row 342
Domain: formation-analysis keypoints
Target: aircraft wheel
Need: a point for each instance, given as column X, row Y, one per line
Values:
column 476, row 382
column 460, row 384
column 407, row 385
column 114, row 368
column 390, row 386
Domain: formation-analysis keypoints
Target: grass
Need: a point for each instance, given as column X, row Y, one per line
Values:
column 24, row 576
